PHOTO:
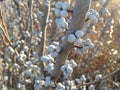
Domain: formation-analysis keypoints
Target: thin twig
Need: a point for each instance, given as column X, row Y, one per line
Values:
column 4, row 30
column 78, row 20
column 31, row 24
column 45, row 19
column 100, row 12
column 103, row 33
column 103, row 78
column 18, row 6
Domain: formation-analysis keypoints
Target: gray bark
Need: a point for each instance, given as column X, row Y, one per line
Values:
column 78, row 19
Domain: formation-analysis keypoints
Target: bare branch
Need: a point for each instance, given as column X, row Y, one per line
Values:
column 18, row 6
column 45, row 19
column 5, row 31
column 79, row 14
column 44, row 27
column 105, row 77
column 104, row 6
column 31, row 24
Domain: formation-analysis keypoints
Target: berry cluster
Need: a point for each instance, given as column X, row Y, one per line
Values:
column 93, row 16
column 78, row 41
column 61, row 12
column 48, row 60
column 76, row 37
column 67, row 69
column 61, row 9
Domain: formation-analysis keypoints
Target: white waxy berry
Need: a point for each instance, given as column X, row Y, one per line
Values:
column 93, row 16
column 88, row 42
column 48, row 82
column 94, row 19
column 78, row 41
column 62, row 68
column 83, row 78
column 69, row 69
column 56, row 43
column 91, row 87
column 51, row 48
column 58, row 49
column 97, row 15
column 79, row 33
column 57, row 12
column 62, row 19
column 98, row 77
column 16, row 66
column 47, row 59
column 65, row 5
column 85, row 49
column 60, row 86
column 49, row 67
column 71, row 38
column 59, row 4
column 73, row 63
column 28, row 73
column 57, row 20
column 64, row 24
column 63, row 13
column 54, row 54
